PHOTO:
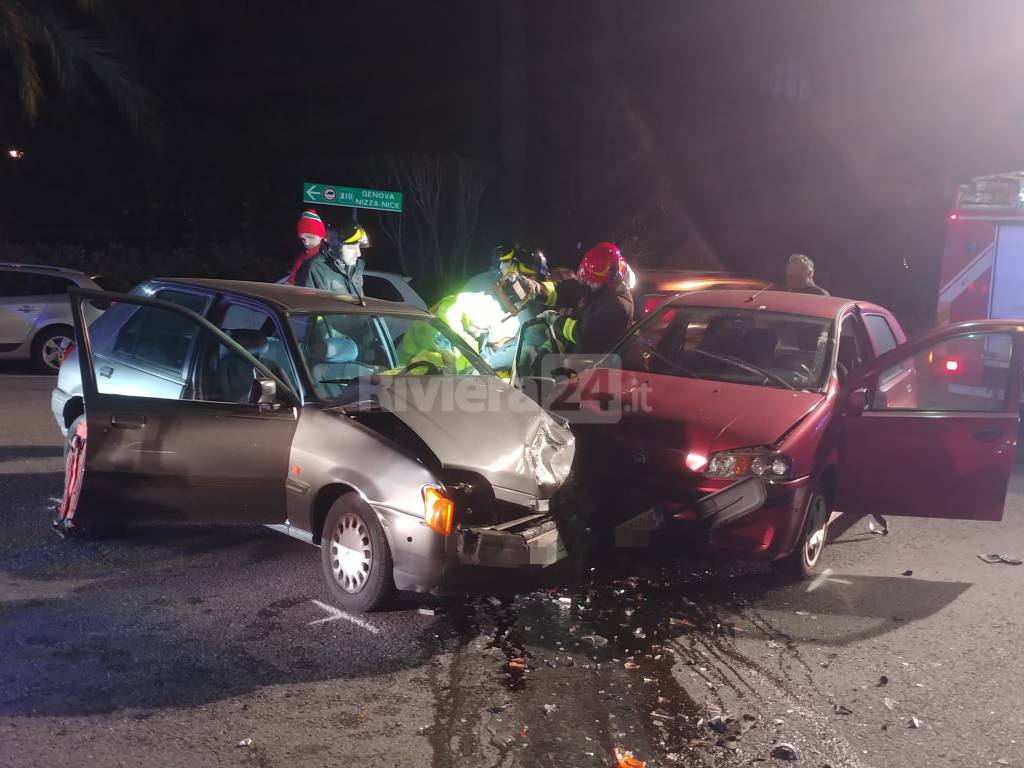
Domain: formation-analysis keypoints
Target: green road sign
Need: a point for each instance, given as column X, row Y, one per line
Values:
column 352, row 197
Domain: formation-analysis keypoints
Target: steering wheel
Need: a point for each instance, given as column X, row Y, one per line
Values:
column 432, row 368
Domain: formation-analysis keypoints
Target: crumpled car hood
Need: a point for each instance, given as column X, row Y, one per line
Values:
column 481, row 424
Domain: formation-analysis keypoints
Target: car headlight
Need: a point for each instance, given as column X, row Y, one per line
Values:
column 763, row 462
column 549, row 454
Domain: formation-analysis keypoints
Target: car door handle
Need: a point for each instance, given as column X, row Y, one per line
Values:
column 988, row 434
column 106, row 371
column 26, row 309
column 127, row 421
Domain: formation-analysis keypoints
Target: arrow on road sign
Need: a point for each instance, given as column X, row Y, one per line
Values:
column 312, row 191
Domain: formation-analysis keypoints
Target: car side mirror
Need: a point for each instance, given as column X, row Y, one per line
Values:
column 857, row 400
column 264, row 394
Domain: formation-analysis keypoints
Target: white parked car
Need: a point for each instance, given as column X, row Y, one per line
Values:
column 35, row 315
column 389, row 286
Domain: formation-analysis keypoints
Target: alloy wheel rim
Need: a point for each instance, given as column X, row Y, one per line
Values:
column 351, row 553
column 815, row 542
column 53, row 351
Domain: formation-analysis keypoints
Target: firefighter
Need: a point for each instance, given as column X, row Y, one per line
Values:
column 337, row 266
column 600, row 305
column 532, row 265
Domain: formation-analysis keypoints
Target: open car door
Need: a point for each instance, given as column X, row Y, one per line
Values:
column 945, row 448
column 181, row 423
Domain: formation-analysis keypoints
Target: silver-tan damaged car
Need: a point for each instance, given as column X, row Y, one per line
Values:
column 408, row 461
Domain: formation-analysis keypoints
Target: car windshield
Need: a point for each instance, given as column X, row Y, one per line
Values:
column 340, row 350
column 771, row 349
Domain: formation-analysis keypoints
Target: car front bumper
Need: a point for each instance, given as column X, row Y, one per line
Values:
column 425, row 561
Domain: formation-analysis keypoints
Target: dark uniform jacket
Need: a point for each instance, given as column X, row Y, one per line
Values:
column 598, row 318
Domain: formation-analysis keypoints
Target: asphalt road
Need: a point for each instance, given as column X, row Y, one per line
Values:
column 175, row 647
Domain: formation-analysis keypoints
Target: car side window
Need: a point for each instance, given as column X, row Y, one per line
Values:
column 157, row 342
column 260, row 335
column 965, row 373
column 50, row 285
column 881, row 333
column 381, row 288
column 14, row 284
column 852, row 346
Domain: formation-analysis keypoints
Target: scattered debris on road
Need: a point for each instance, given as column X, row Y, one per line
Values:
column 883, row 680
column 908, row 573
column 245, row 743
column 595, row 640
column 890, row 704
column 550, row 709
column 914, row 723
column 625, row 759
column 785, row 751
column 997, row 558
column 839, row 709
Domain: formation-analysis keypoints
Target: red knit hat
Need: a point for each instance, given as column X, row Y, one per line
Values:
column 310, row 224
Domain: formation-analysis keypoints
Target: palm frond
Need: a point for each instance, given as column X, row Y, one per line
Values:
column 16, row 36
column 76, row 53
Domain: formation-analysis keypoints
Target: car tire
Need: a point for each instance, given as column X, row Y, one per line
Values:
column 806, row 557
column 355, row 556
column 48, row 348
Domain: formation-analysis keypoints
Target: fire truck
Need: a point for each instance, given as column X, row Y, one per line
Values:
column 982, row 273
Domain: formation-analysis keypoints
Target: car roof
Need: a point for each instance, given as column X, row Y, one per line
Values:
column 42, row 268
column 807, row 304
column 292, row 298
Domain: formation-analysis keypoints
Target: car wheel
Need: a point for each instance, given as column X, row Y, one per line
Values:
column 355, row 556
column 48, row 348
column 803, row 561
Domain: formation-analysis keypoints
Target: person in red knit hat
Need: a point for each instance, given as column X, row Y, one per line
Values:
column 312, row 233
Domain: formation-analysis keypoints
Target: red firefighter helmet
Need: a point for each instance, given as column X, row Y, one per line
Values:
column 602, row 264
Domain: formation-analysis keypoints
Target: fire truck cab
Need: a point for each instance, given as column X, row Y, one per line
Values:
column 982, row 273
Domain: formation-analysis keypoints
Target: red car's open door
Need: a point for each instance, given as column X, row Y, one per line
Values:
column 947, row 450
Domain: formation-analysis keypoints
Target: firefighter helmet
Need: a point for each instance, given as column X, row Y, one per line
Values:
column 525, row 261
column 353, row 234
column 603, row 264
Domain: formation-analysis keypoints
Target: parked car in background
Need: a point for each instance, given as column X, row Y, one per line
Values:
column 235, row 402
column 820, row 397
column 389, row 286
column 35, row 315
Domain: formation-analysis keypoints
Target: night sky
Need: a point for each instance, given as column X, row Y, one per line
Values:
column 696, row 134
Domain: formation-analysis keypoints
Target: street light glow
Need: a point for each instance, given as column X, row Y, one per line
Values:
column 15, row 154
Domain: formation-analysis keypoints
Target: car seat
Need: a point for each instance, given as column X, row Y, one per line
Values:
column 723, row 336
column 760, row 345
column 339, row 362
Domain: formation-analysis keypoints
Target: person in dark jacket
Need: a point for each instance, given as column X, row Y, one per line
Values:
column 800, row 276
column 337, row 267
column 600, row 304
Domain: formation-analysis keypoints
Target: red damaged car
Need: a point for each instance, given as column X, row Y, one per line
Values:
column 821, row 397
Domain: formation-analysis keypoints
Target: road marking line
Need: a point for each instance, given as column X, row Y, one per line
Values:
column 335, row 614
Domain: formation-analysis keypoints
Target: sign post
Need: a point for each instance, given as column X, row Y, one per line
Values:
column 352, row 197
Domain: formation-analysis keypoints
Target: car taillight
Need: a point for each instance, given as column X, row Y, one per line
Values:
column 952, row 365
column 438, row 509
